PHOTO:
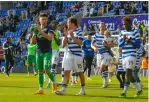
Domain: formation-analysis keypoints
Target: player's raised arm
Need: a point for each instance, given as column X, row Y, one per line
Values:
column 47, row 36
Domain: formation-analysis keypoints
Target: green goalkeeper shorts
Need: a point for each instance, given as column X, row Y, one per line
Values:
column 31, row 59
column 43, row 60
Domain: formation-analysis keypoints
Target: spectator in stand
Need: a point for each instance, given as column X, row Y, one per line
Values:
column 99, row 12
column 91, row 11
column 68, row 14
column 133, row 10
column 50, row 17
column 76, row 7
column 80, row 3
column 43, row 6
column 13, row 19
column 1, row 28
column 59, row 6
column 116, row 11
column 34, row 8
column 57, row 17
column 7, row 22
column 110, row 7
column 18, row 48
column 19, row 5
column 145, row 6
column 135, row 3
column 126, row 8
column 22, row 45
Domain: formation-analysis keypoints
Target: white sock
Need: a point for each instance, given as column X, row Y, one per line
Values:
column 96, row 71
column 62, row 79
column 105, row 81
column 64, row 87
column 139, row 84
column 62, row 76
column 44, row 75
column 40, row 89
column 82, row 88
column 136, row 86
column 49, row 81
column 125, row 89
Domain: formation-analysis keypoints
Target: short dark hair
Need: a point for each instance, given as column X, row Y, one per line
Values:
column 73, row 20
column 8, row 37
column 103, row 23
column 43, row 15
column 127, row 19
column 65, row 26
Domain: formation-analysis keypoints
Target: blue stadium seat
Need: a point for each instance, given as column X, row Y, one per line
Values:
column 20, row 64
column 114, row 4
column 3, row 64
column 81, row 9
column 18, row 58
column 110, row 13
column 118, row 3
column 139, row 6
column 122, row 11
column 71, row 3
column 140, row 2
column 102, row 3
column 139, row 10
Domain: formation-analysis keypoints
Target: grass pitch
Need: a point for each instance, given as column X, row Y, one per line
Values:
column 20, row 88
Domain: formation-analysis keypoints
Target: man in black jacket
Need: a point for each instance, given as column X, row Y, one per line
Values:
column 8, row 47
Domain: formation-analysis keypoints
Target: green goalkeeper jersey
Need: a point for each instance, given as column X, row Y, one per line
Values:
column 31, row 49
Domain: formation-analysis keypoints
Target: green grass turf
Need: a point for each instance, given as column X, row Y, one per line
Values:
column 20, row 88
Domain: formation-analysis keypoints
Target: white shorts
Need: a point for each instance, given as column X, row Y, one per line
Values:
column 129, row 62
column 63, row 61
column 103, row 59
column 73, row 62
column 55, row 55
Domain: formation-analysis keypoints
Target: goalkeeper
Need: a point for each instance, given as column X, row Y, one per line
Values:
column 31, row 58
